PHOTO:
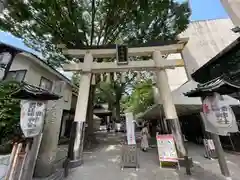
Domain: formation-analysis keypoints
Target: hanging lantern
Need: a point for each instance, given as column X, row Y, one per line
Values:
column 102, row 77
column 118, row 77
column 131, row 74
column 115, row 76
column 138, row 76
column 108, row 79
column 123, row 78
column 93, row 82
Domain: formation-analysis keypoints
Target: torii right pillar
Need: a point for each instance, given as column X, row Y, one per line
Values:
column 168, row 105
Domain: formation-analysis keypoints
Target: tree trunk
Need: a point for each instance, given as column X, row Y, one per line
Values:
column 90, row 138
column 110, row 104
column 118, row 111
column 90, row 111
column 118, row 91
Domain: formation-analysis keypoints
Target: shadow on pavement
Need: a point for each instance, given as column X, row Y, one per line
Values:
column 103, row 163
column 199, row 173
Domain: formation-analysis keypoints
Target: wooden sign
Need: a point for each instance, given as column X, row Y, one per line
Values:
column 166, row 148
column 129, row 157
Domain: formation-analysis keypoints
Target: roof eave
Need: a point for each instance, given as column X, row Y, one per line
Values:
column 219, row 85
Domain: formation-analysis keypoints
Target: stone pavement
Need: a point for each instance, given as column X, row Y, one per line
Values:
column 103, row 164
column 4, row 161
column 197, row 151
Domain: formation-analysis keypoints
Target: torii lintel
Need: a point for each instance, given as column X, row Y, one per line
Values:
column 104, row 52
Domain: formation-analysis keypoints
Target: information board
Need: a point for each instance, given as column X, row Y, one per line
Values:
column 32, row 117
column 166, row 148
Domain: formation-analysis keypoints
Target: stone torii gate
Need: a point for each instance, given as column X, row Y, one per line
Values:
column 158, row 64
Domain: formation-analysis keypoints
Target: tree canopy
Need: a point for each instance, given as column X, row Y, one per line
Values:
column 77, row 23
column 141, row 96
column 43, row 24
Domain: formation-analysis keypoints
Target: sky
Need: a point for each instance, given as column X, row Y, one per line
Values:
column 201, row 10
column 207, row 9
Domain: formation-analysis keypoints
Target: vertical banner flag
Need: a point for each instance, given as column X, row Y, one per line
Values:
column 130, row 128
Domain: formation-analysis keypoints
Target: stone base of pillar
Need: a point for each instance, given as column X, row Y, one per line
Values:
column 75, row 163
column 75, row 149
column 69, row 164
column 178, row 138
column 47, row 169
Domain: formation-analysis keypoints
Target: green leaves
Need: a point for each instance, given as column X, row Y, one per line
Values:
column 76, row 23
column 95, row 22
column 9, row 112
column 76, row 78
column 141, row 97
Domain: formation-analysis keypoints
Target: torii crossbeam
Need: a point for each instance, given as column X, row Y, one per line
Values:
column 158, row 64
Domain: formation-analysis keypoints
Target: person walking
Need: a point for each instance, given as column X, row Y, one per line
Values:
column 144, row 138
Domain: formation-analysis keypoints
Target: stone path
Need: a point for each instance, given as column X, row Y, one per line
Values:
column 197, row 151
column 103, row 164
column 4, row 161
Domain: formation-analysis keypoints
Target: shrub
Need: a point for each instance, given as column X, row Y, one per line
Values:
column 9, row 114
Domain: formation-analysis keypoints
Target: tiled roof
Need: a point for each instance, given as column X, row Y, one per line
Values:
column 225, row 84
column 30, row 92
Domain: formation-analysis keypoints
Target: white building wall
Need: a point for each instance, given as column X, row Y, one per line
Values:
column 19, row 63
column 34, row 74
column 206, row 39
column 177, row 76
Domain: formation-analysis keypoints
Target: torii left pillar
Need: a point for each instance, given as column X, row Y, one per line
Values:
column 81, row 111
